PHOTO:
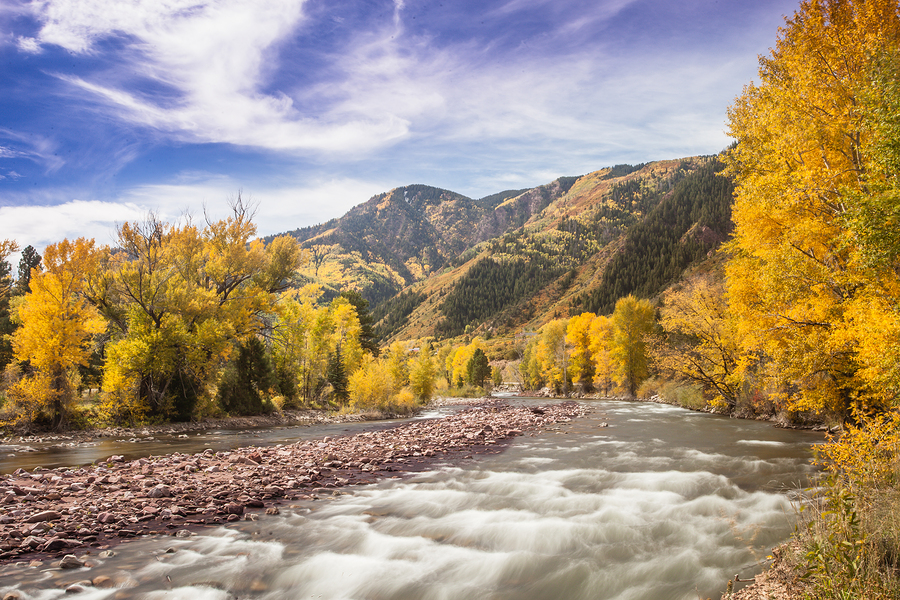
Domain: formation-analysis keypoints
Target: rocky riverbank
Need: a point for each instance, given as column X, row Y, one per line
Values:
column 69, row 511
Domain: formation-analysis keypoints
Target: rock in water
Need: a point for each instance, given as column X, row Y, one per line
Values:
column 69, row 561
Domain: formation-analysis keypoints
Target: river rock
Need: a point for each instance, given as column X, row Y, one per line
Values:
column 47, row 515
column 116, row 500
column 161, row 491
column 233, row 508
column 70, row 561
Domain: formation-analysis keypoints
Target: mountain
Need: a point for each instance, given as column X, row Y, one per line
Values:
column 436, row 263
column 402, row 236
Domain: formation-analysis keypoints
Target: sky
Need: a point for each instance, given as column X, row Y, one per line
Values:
column 110, row 109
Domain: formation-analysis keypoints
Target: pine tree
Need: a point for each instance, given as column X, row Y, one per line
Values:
column 336, row 375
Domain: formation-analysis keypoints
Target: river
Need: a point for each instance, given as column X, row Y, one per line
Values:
column 662, row 504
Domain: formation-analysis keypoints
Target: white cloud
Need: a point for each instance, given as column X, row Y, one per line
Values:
column 34, row 147
column 29, row 45
column 279, row 209
column 215, row 63
column 215, row 55
column 43, row 225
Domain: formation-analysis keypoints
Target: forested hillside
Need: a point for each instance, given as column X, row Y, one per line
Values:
column 435, row 263
column 401, row 237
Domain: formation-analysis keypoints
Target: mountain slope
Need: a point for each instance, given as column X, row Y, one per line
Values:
column 400, row 237
column 436, row 263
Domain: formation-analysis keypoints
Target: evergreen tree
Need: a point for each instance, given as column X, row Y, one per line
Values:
column 6, row 324
column 336, row 375
column 478, row 368
column 366, row 332
column 30, row 260
column 246, row 379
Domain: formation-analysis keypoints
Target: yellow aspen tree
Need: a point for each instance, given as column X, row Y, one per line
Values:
column 578, row 338
column 700, row 341
column 294, row 344
column 552, row 354
column 370, row 386
column 460, row 364
column 422, row 371
column 632, row 322
column 346, row 332
column 529, row 367
column 799, row 157
column 600, row 333
column 398, row 364
column 57, row 324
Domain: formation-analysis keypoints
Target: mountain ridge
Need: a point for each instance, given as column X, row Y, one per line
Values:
column 435, row 263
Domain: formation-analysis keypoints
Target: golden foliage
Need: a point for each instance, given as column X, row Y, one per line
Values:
column 632, row 322
column 57, row 324
column 179, row 296
column 798, row 163
column 700, row 342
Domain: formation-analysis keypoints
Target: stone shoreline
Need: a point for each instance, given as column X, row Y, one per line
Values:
column 50, row 513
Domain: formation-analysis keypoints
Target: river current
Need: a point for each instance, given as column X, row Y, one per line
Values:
column 661, row 504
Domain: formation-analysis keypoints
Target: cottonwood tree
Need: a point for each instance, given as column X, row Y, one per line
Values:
column 57, row 324
column 578, row 337
column 600, row 334
column 179, row 295
column 632, row 321
column 699, row 340
column 797, row 282
column 551, row 354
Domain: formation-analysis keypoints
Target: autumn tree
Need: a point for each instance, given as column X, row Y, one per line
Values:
column 458, row 362
column 179, row 296
column 797, row 283
column 319, row 252
column 57, row 324
column 551, row 354
column 699, row 340
column 632, row 322
column 578, row 337
column 398, row 364
column 422, row 371
column 299, row 347
column 600, row 334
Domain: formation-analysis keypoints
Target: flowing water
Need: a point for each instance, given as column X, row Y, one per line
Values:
column 68, row 453
column 662, row 504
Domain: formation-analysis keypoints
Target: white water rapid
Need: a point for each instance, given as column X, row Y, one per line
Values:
column 662, row 504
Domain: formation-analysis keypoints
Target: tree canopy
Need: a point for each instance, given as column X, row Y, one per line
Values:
column 812, row 167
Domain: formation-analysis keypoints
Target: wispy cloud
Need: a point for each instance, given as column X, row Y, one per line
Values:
column 391, row 82
column 34, row 147
column 216, row 57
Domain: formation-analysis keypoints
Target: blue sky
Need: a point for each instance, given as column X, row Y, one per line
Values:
column 111, row 108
